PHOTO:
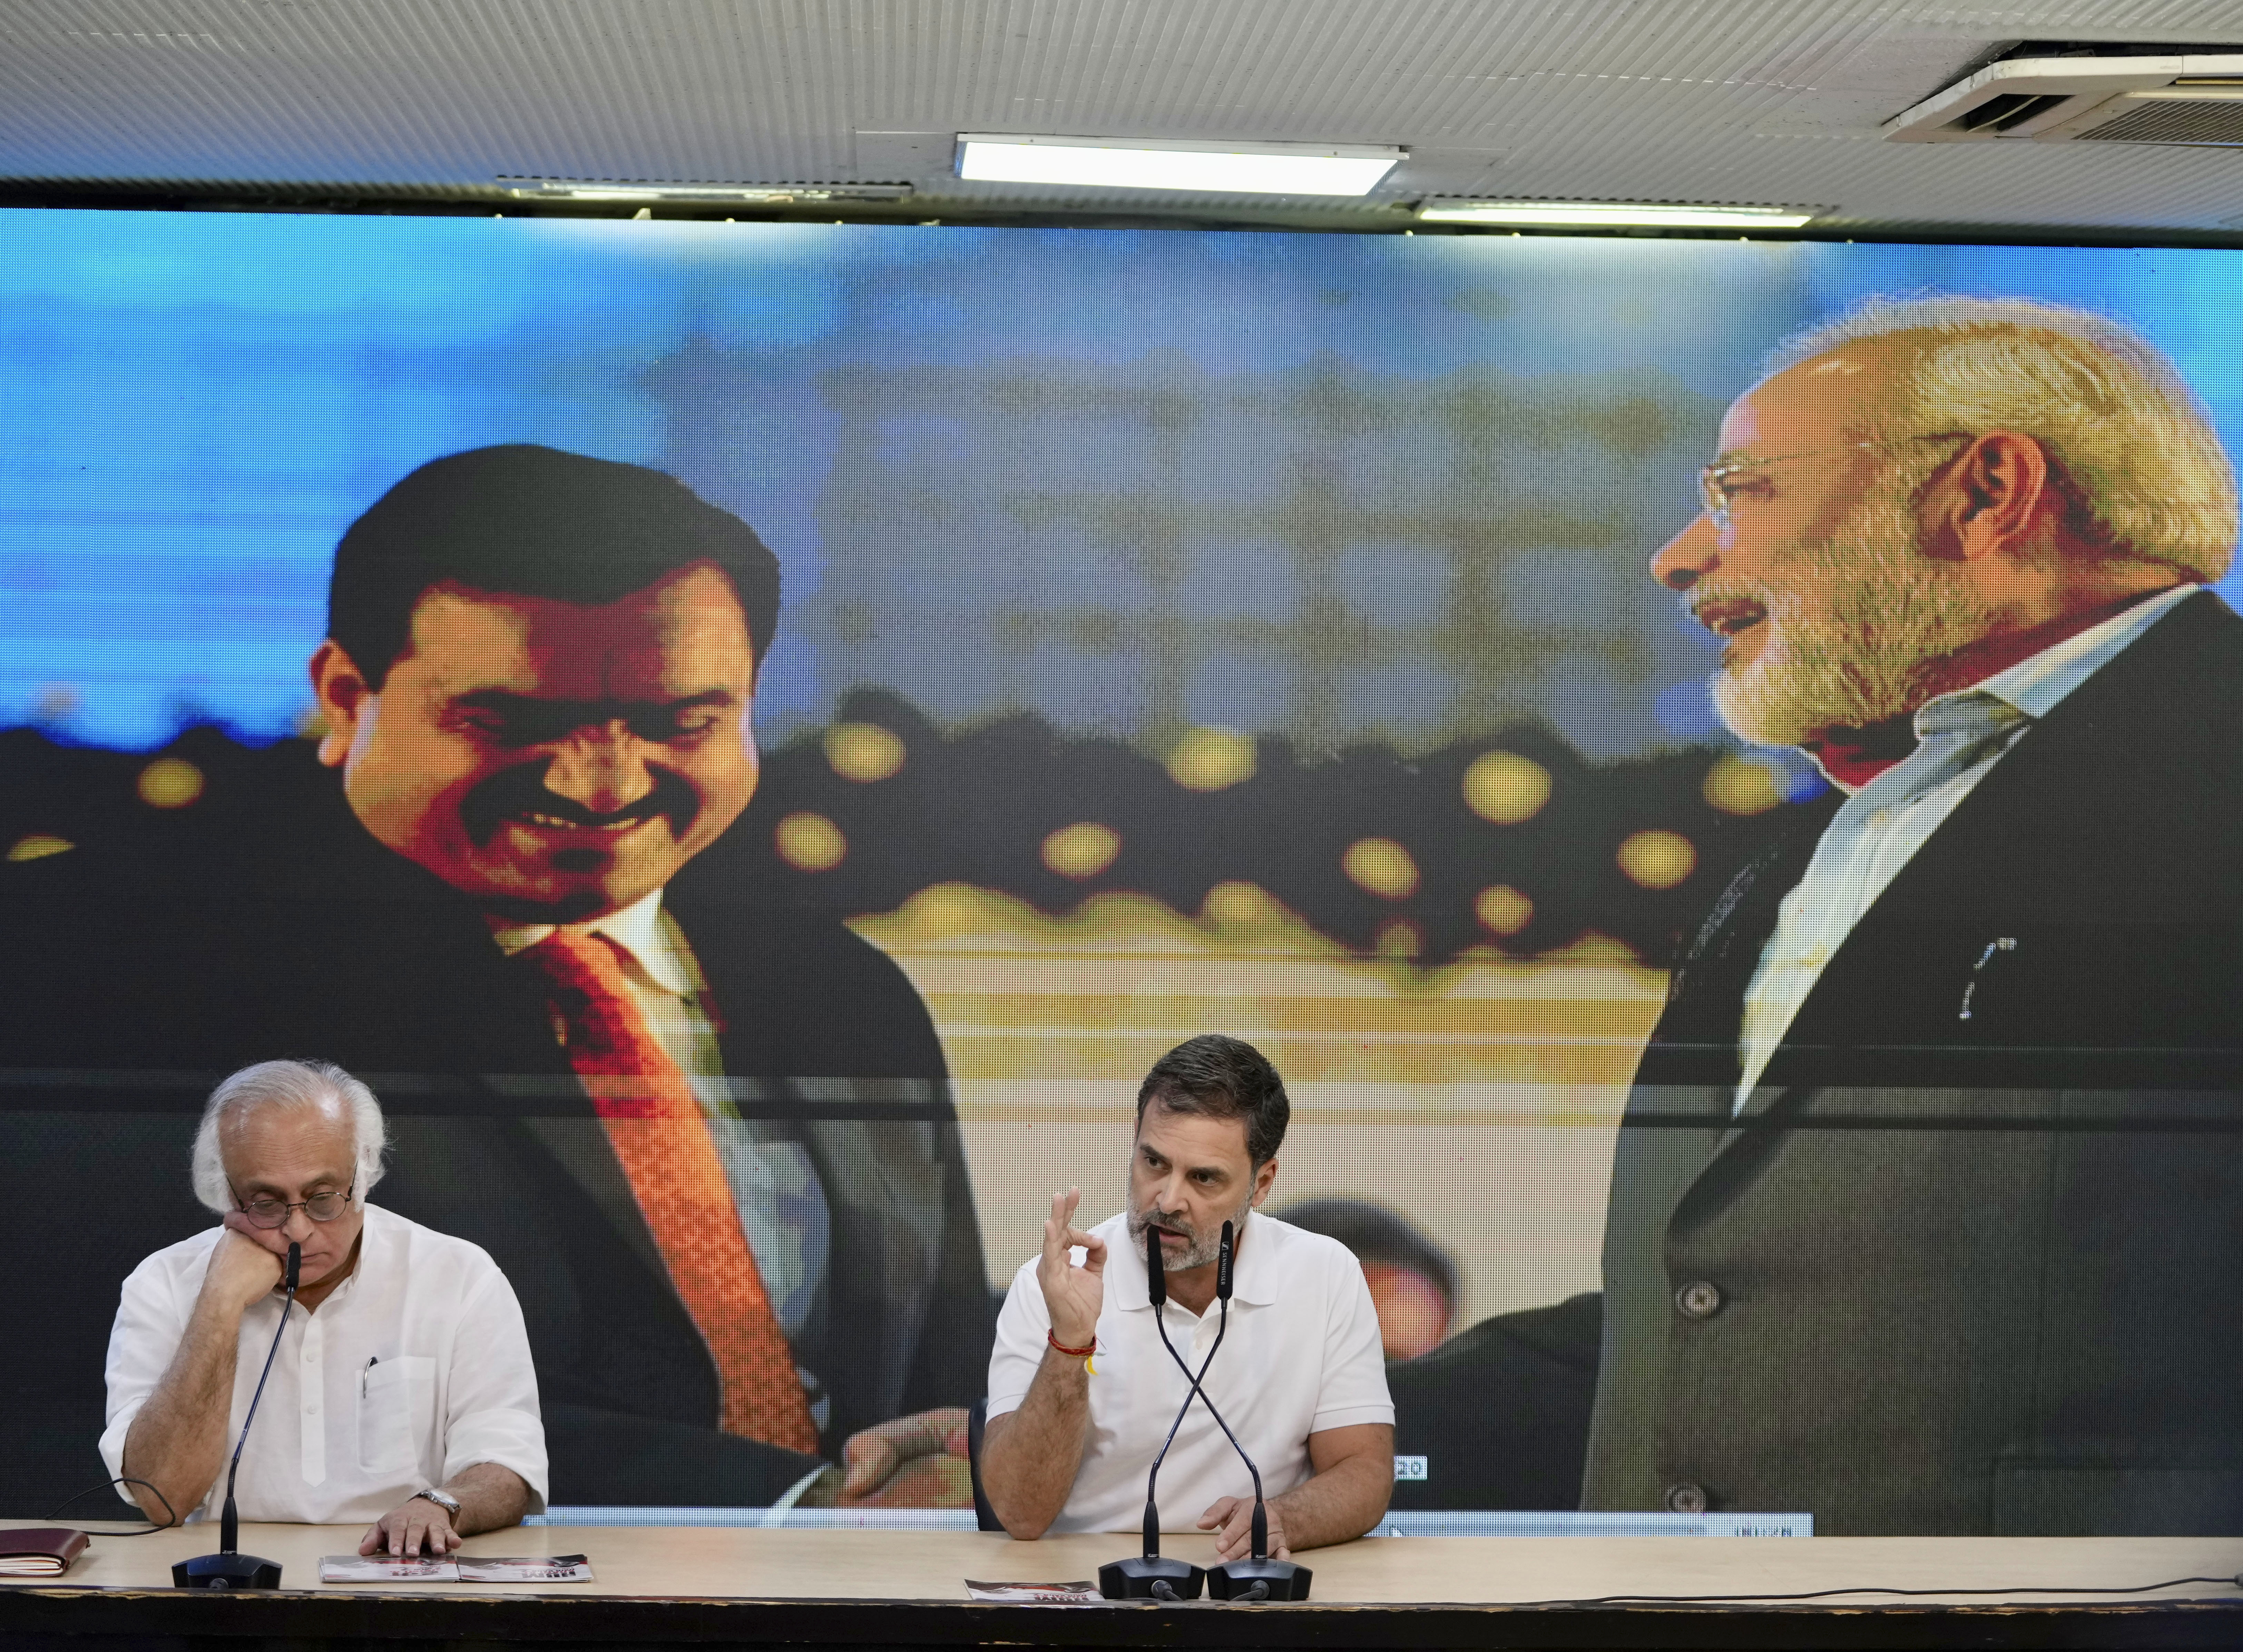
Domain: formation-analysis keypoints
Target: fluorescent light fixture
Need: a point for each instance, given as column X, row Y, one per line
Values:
column 1164, row 164
column 566, row 189
column 1613, row 214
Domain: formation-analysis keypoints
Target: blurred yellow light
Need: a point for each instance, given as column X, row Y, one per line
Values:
column 1742, row 786
column 38, row 846
column 862, row 752
column 1399, row 938
column 1208, row 759
column 810, row 842
column 1082, row 850
column 1233, row 905
column 1657, row 860
column 1381, row 865
column 1503, row 909
column 170, row 783
column 1506, row 788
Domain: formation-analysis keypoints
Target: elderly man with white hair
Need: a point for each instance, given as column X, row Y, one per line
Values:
column 1924, row 1213
column 402, row 1393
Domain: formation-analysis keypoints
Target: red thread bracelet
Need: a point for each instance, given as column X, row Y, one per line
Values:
column 1071, row 1354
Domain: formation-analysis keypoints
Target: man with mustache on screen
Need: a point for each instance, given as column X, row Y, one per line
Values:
column 708, row 1136
column 1081, row 1391
column 1923, row 1212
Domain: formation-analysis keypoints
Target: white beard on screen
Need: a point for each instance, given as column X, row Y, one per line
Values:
column 1204, row 1249
column 1869, row 640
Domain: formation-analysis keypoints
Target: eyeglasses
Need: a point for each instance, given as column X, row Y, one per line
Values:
column 273, row 1213
column 1718, row 491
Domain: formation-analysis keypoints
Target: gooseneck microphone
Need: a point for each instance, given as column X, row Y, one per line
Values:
column 1257, row 1577
column 228, row 1570
column 1148, row 1576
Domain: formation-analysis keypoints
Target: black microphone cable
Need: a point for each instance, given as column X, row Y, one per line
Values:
column 1223, row 1289
column 229, row 1526
column 1156, row 1292
column 171, row 1516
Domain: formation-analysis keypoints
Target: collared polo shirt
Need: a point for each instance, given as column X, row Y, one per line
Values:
column 414, row 1368
column 1301, row 1355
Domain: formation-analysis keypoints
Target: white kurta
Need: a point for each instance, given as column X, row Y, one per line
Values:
column 414, row 1368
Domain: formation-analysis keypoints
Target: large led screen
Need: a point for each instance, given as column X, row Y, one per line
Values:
column 1172, row 633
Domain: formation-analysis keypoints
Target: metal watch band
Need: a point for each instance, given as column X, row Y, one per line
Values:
column 449, row 1505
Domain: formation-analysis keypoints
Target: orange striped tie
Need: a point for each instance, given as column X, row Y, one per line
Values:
column 655, row 1123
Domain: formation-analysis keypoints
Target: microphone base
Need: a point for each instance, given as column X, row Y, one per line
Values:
column 226, row 1570
column 1133, row 1579
column 1238, row 1580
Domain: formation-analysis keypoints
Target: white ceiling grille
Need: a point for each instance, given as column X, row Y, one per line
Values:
column 2195, row 100
column 2162, row 117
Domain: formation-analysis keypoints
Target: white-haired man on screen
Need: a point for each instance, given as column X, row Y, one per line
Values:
column 1924, row 1214
column 402, row 1393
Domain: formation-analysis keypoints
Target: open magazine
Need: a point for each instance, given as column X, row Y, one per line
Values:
column 1034, row 1594
column 455, row 1568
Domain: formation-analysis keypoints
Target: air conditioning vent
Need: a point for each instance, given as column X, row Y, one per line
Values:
column 2010, row 109
column 2168, row 117
column 2195, row 100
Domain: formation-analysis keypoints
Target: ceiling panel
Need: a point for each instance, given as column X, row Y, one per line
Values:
column 1774, row 101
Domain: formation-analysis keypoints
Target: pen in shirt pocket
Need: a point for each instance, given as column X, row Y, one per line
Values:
column 362, row 1375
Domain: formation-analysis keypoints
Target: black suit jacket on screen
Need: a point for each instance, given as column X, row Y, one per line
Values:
column 284, row 929
column 1973, row 1273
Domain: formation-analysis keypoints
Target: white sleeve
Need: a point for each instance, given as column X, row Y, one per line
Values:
column 1022, row 1326
column 150, row 1322
column 1354, row 1388
column 493, row 1415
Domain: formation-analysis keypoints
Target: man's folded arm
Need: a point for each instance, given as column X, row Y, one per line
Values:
column 1351, row 1438
column 1353, row 1479
column 492, row 1419
column 1030, row 1456
column 171, row 1382
column 1038, row 1419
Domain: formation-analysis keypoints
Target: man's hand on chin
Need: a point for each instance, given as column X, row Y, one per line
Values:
column 407, row 1527
column 916, row 1461
column 1231, row 1520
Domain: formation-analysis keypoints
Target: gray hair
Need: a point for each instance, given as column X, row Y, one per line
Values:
column 299, row 1086
column 2132, row 445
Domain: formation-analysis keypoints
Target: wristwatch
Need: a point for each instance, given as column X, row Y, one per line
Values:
column 449, row 1504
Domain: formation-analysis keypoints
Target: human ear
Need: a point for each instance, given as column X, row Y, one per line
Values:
column 1265, row 1179
column 1991, row 499
column 343, row 691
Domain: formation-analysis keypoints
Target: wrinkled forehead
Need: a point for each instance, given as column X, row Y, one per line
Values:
column 282, row 1146
column 1192, row 1140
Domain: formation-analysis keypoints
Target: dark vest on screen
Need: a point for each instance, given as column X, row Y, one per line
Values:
column 1975, row 1274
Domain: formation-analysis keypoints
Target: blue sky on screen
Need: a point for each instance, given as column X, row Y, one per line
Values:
column 1126, row 480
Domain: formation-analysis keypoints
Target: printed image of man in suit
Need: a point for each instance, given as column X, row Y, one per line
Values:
column 708, row 1136
column 1927, row 1213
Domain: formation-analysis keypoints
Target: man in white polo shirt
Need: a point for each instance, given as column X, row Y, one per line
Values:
column 1071, row 1433
column 402, row 1391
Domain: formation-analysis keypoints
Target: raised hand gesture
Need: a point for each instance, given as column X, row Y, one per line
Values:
column 1072, row 1295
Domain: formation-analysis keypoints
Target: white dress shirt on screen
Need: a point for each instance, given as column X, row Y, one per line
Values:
column 415, row 1367
column 1962, row 736
column 1301, row 1355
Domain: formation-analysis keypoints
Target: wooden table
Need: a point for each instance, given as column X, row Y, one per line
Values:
column 747, row 1587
